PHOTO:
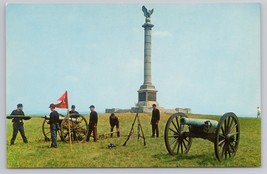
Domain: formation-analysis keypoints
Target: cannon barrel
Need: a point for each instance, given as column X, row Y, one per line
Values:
column 61, row 117
column 199, row 122
column 19, row 116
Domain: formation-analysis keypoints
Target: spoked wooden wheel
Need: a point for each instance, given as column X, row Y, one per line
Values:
column 78, row 128
column 175, row 137
column 46, row 130
column 227, row 137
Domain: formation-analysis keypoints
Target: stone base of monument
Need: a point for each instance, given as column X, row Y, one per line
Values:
column 147, row 109
column 118, row 110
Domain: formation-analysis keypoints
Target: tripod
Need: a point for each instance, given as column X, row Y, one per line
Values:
column 140, row 130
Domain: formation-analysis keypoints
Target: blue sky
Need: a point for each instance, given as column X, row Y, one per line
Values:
column 204, row 56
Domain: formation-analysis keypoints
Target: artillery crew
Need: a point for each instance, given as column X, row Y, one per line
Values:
column 18, row 125
column 114, row 121
column 92, row 124
column 54, row 124
column 155, row 120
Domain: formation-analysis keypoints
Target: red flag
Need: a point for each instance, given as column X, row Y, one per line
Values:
column 64, row 101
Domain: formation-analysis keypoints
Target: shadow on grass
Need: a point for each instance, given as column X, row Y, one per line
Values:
column 168, row 158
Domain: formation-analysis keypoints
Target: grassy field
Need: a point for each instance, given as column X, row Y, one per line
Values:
column 37, row 154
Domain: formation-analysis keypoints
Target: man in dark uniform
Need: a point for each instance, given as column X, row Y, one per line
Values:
column 114, row 121
column 53, row 121
column 73, row 111
column 18, row 125
column 155, row 120
column 92, row 124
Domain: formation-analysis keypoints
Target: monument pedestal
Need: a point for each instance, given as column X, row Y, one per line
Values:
column 147, row 96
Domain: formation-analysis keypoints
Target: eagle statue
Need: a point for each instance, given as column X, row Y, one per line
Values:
column 148, row 13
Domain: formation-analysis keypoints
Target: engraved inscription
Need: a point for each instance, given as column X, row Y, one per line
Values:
column 142, row 96
column 152, row 96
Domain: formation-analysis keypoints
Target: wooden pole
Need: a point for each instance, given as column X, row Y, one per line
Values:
column 68, row 116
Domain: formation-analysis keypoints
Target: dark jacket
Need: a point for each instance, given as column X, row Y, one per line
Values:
column 16, row 112
column 113, row 120
column 54, row 117
column 155, row 116
column 73, row 112
column 93, row 118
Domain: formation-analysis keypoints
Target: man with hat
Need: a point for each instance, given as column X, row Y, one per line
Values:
column 73, row 111
column 155, row 120
column 18, row 125
column 92, row 124
column 53, row 121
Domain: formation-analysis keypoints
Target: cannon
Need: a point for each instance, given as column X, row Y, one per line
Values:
column 225, row 134
column 78, row 127
column 23, row 117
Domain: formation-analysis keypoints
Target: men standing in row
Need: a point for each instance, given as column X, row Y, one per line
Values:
column 53, row 121
column 18, row 125
column 155, row 120
column 92, row 124
column 114, row 121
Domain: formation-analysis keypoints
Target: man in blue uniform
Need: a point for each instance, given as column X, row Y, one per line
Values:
column 53, row 121
column 18, row 125
column 92, row 124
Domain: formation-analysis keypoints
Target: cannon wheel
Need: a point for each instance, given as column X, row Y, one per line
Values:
column 227, row 136
column 46, row 129
column 175, row 140
column 78, row 128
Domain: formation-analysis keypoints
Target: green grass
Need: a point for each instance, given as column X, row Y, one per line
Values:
column 37, row 154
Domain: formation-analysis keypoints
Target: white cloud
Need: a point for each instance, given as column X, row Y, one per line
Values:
column 162, row 34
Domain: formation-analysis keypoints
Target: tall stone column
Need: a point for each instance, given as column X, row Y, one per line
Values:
column 147, row 53
column 147, row 94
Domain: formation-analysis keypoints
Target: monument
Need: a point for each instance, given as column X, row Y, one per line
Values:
column 147, row 94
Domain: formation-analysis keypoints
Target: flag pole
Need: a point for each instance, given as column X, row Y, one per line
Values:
column 65, row 104
column 68, row 116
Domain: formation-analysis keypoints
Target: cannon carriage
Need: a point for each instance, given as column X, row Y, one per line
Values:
column 78, row 127
column 225, row 134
